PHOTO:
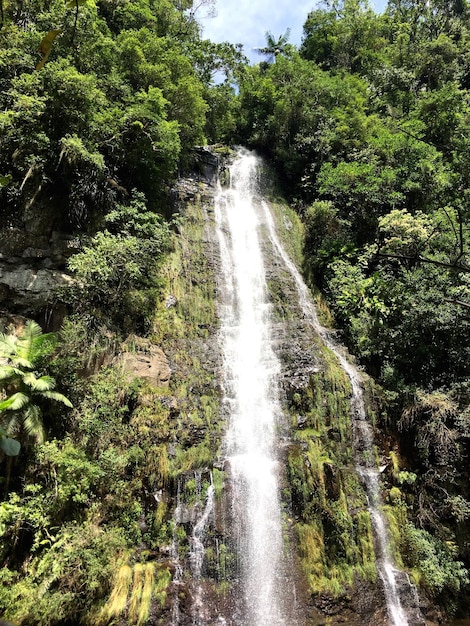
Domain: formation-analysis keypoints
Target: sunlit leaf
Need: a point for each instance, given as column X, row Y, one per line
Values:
column 7, row 345
column 45, row 47
column 7, row 371
column 33, row 424
column 15, row 402
column 5, row 180
column 70, row 4
column 44, row 383
column 55, row 395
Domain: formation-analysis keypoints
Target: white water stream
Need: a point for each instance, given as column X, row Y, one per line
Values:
column 197, row 553
column 251, row 371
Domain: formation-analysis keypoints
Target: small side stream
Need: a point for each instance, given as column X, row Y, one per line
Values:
column 396, row 584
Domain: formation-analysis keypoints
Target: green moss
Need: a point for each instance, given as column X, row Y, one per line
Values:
column 397, row 523
column 365, row 539
column 290, row 229
column 218, row 481
column 188, row 276
column 196, row 457
column 395, row 464
column 332, row 522
column 280, row 301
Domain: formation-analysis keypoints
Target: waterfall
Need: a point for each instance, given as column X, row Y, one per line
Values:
column 251, row 371
column 199, row 516
column 363, row 440
column 262, row 592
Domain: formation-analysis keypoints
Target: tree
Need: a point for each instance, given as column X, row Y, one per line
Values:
column 116, row 274
column 274, row 46
column 347, row 35
column 21, row 387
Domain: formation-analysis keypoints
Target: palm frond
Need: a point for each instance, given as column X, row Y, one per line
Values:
column 274, row 46
column 7, row 371
column 30, row 333
column 33, row 343
column 7, row 345
column 43, row 345
column 15, row 402
column 10, row 423
column 33, row 424
column 20, row 361
column 269, row 39
column 43, row 383
column 58, row 397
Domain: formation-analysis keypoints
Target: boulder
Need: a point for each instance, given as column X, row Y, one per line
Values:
column 147, row 362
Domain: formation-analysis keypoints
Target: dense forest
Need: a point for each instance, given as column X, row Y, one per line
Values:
column 103, row 103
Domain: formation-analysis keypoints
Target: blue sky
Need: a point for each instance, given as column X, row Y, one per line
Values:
column 246, row 21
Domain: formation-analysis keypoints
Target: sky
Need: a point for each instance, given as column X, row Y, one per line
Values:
column 246, row 21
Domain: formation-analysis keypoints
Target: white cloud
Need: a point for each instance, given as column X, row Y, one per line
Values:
column 246, row 21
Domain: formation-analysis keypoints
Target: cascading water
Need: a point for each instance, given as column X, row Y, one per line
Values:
column 363, row 438
column 251, row 371
column 199, row 516
column 178, row 575
column 197, row 552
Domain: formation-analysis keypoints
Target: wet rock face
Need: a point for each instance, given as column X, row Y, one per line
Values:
column 199, row 181
column 206, row 164
column 34, row 249
column 363, row 607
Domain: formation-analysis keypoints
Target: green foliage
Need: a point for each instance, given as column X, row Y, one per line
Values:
column 64, row 581
column 134, row 588
column 348, row 36
column 434, row 565
column 22, row 388
column 325, row 237
column 300, row 115
column 116, row 275
column 368, row 127
column 405, row 233
column 274, row 47
column 68, row 472
column 9, row 446
column 124, row 86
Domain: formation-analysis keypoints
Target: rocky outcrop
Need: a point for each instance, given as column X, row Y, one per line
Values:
column 147, row 362
column 48, row 248
column 32, row 266
column 25, row 289
column 206, row 164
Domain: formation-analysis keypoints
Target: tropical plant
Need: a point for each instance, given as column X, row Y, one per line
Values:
column 274, row 46
column 21, row 387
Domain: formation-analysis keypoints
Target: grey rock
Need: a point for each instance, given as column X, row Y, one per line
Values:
column 27, row 288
